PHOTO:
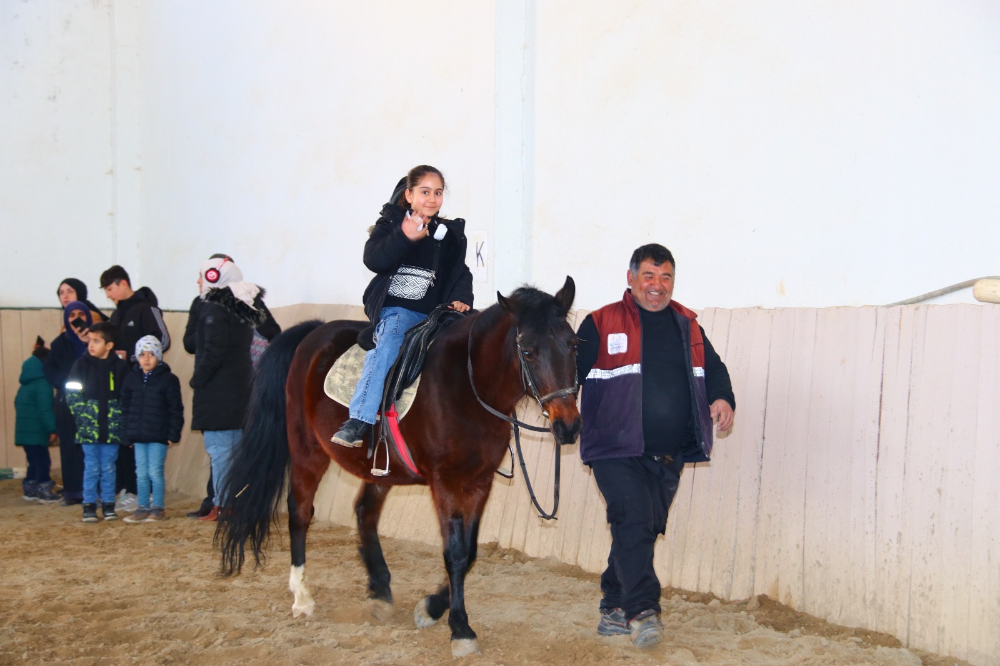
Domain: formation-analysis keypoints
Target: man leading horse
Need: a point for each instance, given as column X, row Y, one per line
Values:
column 652, row 387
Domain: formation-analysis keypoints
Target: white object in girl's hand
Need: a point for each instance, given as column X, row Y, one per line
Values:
column 440, row 232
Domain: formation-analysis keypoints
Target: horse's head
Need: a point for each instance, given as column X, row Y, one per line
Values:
column 547, row 350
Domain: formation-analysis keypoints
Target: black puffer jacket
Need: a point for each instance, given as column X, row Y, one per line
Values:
column 153, row 411
column 136, row 317
column 222, row 368
column 385, row 249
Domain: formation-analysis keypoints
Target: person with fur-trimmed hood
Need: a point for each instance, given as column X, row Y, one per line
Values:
column 230, row 311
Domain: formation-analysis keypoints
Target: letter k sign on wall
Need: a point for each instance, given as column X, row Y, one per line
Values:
column 480, row 251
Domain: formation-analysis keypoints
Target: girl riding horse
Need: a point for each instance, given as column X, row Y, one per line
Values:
column 419, row 259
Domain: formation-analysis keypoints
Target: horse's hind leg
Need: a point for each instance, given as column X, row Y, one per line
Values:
column 305, row 477
column 367, row 509
column 430, row 609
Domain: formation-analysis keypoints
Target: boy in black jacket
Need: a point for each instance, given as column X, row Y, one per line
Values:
column 92, row 394
column 154, row 416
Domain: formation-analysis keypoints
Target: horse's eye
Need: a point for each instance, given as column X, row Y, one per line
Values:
column 527, row 354
column 576, row 346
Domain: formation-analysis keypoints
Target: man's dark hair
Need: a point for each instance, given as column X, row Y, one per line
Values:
column 222, row 255
column 654, row 252
column 114, row 274
column 106, row 330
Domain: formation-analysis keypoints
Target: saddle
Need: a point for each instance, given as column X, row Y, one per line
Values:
column 400, row 385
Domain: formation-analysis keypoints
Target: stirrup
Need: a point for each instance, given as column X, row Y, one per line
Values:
column 375, row 468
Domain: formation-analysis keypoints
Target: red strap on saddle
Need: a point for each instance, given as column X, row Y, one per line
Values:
column 398, row 441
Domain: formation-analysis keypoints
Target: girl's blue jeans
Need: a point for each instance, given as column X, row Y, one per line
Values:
column 392, row 326
column 149, row 459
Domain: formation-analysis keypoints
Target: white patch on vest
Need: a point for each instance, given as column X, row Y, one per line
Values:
column 699, row 372
column 74, row 386
column 633, row 369
column 617, row 343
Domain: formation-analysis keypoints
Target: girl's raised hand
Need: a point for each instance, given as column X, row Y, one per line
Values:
column 414, row 227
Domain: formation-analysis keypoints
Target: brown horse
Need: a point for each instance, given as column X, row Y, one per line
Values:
column 456, row 444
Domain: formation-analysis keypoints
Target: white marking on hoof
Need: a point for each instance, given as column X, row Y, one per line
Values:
column 380, row 609
column 463, row 647
column 421, row 617
column 303, row 603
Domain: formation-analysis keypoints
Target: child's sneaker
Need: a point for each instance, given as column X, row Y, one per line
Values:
column 156, row 516
column 139, row 516
column 108, row 509
column 29, row 490
column 126, row 501
column 90, row 513
column 45, row 493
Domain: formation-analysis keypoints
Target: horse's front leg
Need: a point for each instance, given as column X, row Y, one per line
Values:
column 367, row 509
column 459, row 512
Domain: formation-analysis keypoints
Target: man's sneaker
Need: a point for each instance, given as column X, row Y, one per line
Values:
column 612, row 622
column 90, row 513
column 70, row 501
column 139, row 516
column 29, row 491
column 126, row 502
column 351, row 434
column 46, row 494
column 646, row 629
column 108, row 509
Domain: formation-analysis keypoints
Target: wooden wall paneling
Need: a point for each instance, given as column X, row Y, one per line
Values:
column 984, row 515
column 715, row 570
column 892, row 582
column 595, row 539
column 489, row 526
column 959, row 329
column 796, row 452
column 774, row 422
column 748, row 444
column 930, row 380
column 573, row 504
column 869, row 349
column 829, row 507
column 13, row 355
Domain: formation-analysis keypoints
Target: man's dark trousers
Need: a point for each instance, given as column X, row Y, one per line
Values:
column 638, row 492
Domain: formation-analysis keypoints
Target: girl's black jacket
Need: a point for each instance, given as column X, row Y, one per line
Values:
column 385, row 249
column 153, row 411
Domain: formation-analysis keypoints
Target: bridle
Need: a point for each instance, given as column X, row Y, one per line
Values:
column 527, row 383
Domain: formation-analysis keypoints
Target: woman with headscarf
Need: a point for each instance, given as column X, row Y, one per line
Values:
column 70, row 345
column 71, row 290
column 230, row 311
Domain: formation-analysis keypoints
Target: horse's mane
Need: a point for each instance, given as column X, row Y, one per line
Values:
column 537, row 308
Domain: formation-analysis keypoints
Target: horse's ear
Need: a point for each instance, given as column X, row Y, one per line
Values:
column 565, row 296
column 508, row 304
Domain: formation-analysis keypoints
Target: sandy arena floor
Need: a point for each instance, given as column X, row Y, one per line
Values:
column 115, row 593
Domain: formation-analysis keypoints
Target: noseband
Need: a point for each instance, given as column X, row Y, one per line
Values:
column 527, row 383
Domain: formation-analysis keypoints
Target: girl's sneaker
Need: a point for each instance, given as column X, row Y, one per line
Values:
column 156, row 516
column 139, row 516
column 30, row 491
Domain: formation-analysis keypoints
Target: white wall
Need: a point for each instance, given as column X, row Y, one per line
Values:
column 57, row 206
column 790, row 154
column 806, row 155
column 275, row 132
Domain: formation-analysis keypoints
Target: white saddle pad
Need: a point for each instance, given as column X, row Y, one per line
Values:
column 345, row 373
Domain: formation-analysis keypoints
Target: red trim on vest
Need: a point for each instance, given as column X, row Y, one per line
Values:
column 623, row 318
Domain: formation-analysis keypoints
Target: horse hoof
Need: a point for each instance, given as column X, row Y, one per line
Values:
column 380, row 610
column 421, row 617
column 463, row 647
column 306, row 608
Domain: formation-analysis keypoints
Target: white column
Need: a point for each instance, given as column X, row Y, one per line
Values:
column 514, row 152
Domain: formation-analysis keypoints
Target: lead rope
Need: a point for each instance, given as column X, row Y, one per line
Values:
column 515, row 423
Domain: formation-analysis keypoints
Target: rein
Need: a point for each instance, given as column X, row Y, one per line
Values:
column 527, row 381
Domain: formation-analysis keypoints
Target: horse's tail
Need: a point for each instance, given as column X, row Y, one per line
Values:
column 259, row 464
